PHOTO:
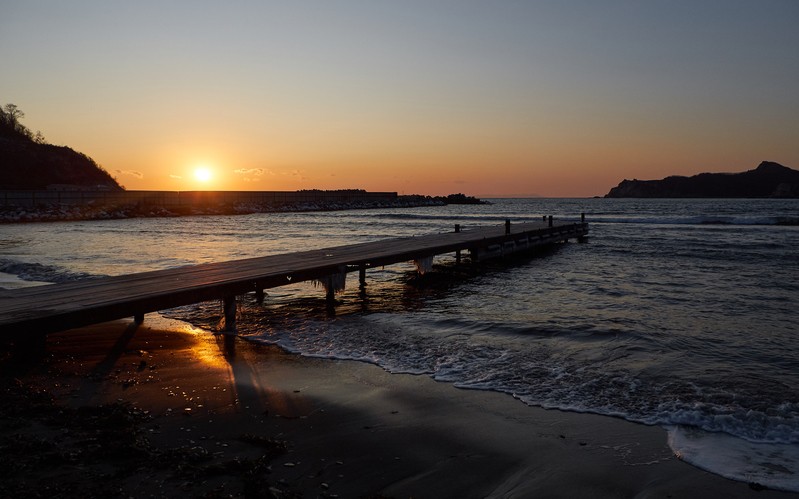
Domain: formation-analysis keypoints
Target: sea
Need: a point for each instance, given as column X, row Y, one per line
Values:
column 680, row 313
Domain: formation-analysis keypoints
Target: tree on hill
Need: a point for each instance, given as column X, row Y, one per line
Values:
column 10, row 125
column 27, row 161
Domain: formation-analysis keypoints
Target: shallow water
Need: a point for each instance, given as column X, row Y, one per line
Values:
column 680, row 313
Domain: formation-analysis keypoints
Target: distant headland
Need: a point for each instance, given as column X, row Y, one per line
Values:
column 768, row 180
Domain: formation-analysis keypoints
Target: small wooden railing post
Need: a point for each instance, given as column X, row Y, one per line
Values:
column 457, row 252
column 550, row 220
column 507, row 226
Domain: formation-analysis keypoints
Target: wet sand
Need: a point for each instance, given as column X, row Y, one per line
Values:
column 167, row 410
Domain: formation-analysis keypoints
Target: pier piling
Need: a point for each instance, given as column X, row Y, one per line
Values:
column 229, row 309
column 362, row 276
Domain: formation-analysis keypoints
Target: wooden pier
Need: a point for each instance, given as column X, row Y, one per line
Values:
column 39, row 310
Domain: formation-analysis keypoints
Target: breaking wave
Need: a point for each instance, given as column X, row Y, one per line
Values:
column 42, row 273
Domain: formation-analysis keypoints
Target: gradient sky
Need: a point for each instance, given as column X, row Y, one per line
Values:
column 490, row 98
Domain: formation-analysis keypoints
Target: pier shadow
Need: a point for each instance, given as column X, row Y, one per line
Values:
column 253, row 392
column 26, row 353
column 244, row 379
column 104, row 367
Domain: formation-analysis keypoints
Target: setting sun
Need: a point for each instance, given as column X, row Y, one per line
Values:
column 202, row 174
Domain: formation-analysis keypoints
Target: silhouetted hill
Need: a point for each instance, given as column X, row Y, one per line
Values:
column 27, row 162
column 767, row 180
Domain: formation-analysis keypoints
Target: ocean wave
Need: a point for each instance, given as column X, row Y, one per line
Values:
column 538, row 372
column 428, row 216
column 42, row 273
column 770, row 466
column 698, row 220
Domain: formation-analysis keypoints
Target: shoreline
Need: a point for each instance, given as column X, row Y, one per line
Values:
column 214, row 415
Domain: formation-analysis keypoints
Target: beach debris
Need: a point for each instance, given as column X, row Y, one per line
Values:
column 424, row 265
column 265, row 442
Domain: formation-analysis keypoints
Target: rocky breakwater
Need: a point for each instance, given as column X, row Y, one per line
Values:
column 53, row 213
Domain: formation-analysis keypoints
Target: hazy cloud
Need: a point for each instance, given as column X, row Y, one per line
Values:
column 132, row 173
column 295, row 173
column 175, row 176
column 252, row 174
column 250, row 171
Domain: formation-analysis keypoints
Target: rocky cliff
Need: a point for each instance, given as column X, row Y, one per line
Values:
column 767, row 180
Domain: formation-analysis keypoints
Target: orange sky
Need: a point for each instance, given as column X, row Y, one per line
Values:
column 555, row 99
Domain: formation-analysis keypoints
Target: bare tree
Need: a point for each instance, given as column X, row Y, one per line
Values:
column 10, row 115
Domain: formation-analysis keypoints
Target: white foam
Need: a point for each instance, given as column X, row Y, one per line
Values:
column 10, row 281
column 775, row 466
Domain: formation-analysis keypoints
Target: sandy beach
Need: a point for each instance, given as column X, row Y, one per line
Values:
column 168, row 410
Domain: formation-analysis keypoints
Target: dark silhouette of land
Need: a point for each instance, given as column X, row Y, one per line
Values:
column 27, row 161
column 768, row 180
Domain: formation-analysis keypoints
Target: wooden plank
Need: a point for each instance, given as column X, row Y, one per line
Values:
column 50, row 308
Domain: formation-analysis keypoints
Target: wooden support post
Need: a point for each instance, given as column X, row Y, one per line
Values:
column 507, row 226
column 550, row 220
column 457, row 227
column 361, row 283
column 229, row 308
column 458, row 257
column 544, row 218
column 582, row 217
column 474, row 254
column 259, row 296
column 138, row 319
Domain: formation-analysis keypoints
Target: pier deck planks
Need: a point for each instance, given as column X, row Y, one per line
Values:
column 57, row 307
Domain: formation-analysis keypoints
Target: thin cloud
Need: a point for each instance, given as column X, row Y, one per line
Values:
column 175, row 176
column 250, row 171
column 132, row 173
column 295, row 173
